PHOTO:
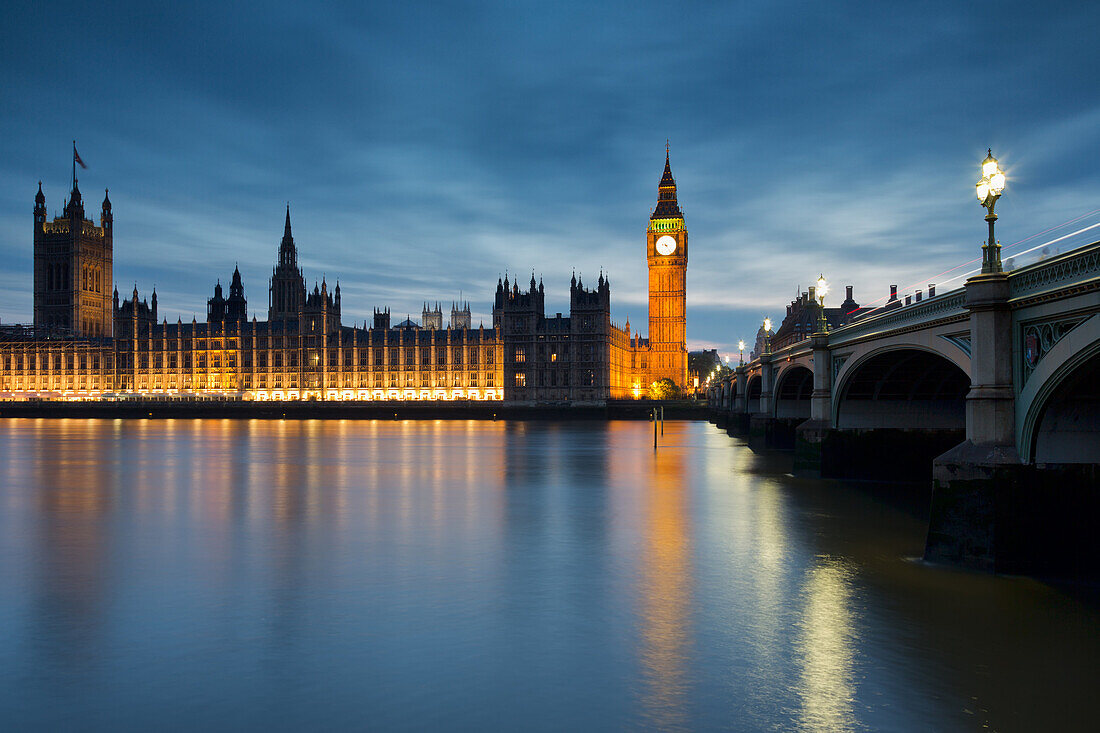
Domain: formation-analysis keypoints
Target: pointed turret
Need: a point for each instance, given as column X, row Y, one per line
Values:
column 288, row 253
column 287, row 288
column 75, row 207
column 105, row 216
column 667, row 207
column 39, row 209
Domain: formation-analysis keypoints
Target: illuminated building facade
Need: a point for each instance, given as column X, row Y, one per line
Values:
column 78, row 349
column 73, row 261
column 577, row 358
column 586, row 356
column 667, row 258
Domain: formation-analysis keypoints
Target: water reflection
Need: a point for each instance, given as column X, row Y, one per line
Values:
column 665, row 590
column 293, row 574
column 72, row 545
column 826, row 643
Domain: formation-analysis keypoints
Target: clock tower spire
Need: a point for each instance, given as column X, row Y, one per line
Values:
column 667, row 257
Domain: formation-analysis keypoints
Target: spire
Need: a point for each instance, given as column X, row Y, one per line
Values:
column 40, row 198
column 667, row 207
column 288, row 253
column 107, row 200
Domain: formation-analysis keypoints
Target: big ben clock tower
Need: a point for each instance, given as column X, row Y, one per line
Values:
column 667, row 257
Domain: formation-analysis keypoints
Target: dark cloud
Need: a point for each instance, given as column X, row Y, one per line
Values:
column 426, row 149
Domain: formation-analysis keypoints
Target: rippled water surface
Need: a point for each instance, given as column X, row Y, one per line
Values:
column 185, row 575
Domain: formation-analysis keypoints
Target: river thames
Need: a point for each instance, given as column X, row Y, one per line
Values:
column 181, row 575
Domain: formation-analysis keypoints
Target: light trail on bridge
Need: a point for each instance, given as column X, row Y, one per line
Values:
column 936, row 278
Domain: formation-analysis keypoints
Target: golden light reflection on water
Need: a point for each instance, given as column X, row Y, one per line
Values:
column 693, row 587
column 666, row 588
column 826, row 650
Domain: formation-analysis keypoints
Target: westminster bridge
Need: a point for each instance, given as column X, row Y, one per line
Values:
column 993, row 389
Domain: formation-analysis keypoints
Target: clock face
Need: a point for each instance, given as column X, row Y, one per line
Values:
column 666, row 245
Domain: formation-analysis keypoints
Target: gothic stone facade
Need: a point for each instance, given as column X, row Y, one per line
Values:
column 77, row 349
column 73, row 260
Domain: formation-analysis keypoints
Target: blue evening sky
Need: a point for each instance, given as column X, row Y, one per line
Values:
column 427, row 149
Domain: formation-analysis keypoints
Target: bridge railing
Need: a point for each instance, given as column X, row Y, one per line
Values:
column 945, row 305
column 1070, row 268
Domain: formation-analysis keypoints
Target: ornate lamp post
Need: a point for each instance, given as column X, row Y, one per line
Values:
column 821, row 291
column 741, row 350
column 767, row 335
column 989, row 188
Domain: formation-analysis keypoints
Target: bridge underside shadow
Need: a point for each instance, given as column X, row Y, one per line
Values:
column 792, row 407
column 895, row 413
column 1036, row 519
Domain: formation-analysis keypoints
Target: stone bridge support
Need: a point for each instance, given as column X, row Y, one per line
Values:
column 762, row 422
column 738, row 423
column 810, row 435
column 978, row 486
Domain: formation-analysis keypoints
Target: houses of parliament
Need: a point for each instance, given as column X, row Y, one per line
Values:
column 88, row 344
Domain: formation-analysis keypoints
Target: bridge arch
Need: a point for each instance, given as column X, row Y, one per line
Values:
column 907, row 387
column 753, row 388
column 793, row 388
column 1058, row 411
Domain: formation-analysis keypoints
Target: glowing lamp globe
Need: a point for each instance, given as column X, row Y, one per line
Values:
column 992, row 182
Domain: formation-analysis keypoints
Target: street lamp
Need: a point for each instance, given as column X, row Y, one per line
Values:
column 767, row 335
column 741, row 350
column 822, row 289
column 989, row 188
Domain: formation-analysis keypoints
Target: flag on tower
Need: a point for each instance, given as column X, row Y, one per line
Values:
column 76, row 157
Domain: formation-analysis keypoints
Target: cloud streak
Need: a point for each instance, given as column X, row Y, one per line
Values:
column 426, row 150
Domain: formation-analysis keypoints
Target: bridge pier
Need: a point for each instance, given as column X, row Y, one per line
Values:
column 879, row 454
column 810, row 435
column 737, row 422
column 772, row 432
column 977, row 486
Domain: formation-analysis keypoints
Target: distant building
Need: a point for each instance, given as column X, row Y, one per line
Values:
column 701, row 364
column 85, row 346
column 801, row 319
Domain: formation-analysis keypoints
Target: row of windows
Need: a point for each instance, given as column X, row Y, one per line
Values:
column 199, row 360
column 259, row 381
column 554, row 353
column 556, row 378
column 408, row 355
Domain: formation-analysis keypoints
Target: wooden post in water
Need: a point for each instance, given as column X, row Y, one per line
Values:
column 654, row 428
column 662, row 421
